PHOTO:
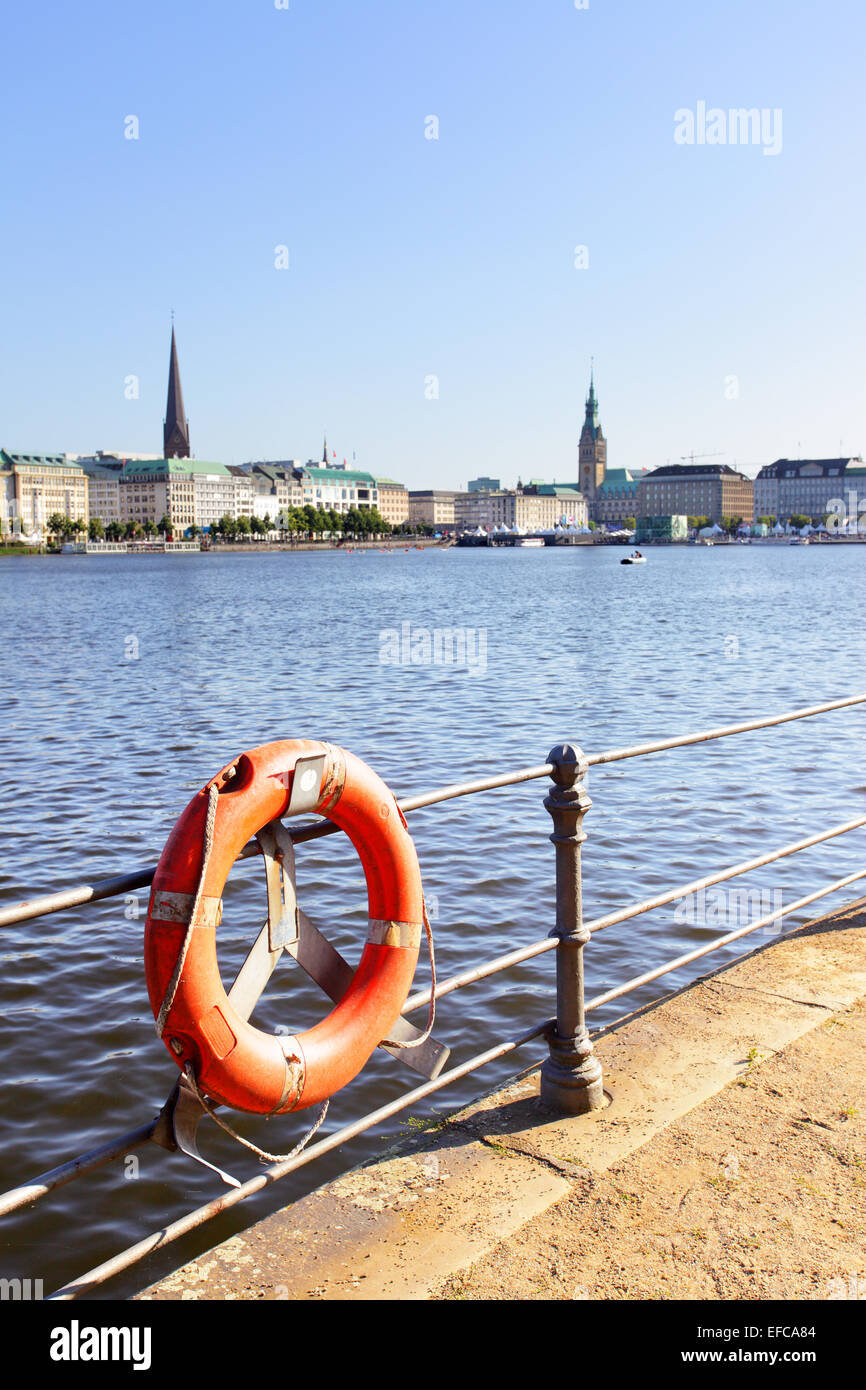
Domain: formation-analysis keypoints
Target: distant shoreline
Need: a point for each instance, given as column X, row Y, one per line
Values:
column 413, row 543
column 241, row 548
column 418, row 543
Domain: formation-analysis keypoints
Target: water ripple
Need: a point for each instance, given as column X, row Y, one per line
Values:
column 102, row 754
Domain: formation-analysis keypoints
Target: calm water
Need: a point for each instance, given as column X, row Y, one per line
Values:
column 129, row 681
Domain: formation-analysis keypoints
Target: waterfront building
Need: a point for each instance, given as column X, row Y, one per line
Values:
column 103, row 492
column 275, row 488
column 538, row 506
column 9, row 519
column 187, row 491
column 393, row 501
column 35, row 486
column 696, row 489
column 802, row 487
column 293, row 484
column 104, row 470
column 242, row 498
column 215, row 492
column 147, row 491
column 616, row 498
column 464, row 509
column 175, row 432
column 661, row 529
column 483, row 508
column 484, row 485
column 339, row 489
column 855, row 489
column 436, row 506
column 541, row 506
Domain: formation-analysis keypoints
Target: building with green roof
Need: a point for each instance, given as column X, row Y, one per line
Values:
column 34, row 487
column 338, row 489
column 616, row 498
column 187, row 491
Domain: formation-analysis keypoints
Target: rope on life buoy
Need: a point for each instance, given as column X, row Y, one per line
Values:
column 247, row 1143
column 165, row 1008
column 171, row 991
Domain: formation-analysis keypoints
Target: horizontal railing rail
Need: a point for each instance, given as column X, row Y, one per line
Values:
column 142, row 878
column 571, row 1076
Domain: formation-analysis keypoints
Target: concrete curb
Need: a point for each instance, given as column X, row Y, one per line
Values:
column 436, row 1203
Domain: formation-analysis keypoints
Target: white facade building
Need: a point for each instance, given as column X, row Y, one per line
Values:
column 801, row 487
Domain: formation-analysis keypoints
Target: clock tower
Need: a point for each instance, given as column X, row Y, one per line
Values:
column 593, row 448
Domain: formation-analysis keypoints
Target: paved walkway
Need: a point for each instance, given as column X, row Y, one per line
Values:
column 731, row 1165
column 758, row 1193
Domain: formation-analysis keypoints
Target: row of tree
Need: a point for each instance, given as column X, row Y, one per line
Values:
column 797, row 520
column 308, row 521
column 66, row 528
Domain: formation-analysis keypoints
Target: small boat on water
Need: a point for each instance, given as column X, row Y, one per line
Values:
column 533, row 541
column 634, row 559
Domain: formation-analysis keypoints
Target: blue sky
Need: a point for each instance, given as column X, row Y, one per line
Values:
column 722, row 300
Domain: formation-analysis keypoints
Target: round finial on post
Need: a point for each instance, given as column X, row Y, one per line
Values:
column 569, row 763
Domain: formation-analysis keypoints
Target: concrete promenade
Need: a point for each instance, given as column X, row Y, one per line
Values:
column 730, row 1165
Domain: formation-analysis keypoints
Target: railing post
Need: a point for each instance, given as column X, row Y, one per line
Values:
column 571, row 1077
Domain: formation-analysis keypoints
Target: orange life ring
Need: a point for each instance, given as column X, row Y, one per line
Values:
column 234, row 1062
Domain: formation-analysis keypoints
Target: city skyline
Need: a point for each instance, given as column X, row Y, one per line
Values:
column 177, row 443
column 415, row 231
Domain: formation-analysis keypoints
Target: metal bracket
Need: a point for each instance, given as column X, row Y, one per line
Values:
column 324, row 964
column 306, row 784
column 177, row 1125
column 288, row 928
column 279, row 856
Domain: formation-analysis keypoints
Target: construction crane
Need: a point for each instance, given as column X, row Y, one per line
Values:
column 690, row 458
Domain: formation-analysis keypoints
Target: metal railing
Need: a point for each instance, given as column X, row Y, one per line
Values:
column 571, row 1078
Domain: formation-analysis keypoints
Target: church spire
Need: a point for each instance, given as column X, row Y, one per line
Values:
column 325, row 453
column 175, row 434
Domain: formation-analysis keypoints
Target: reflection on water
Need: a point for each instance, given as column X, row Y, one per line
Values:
column 130, row 680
